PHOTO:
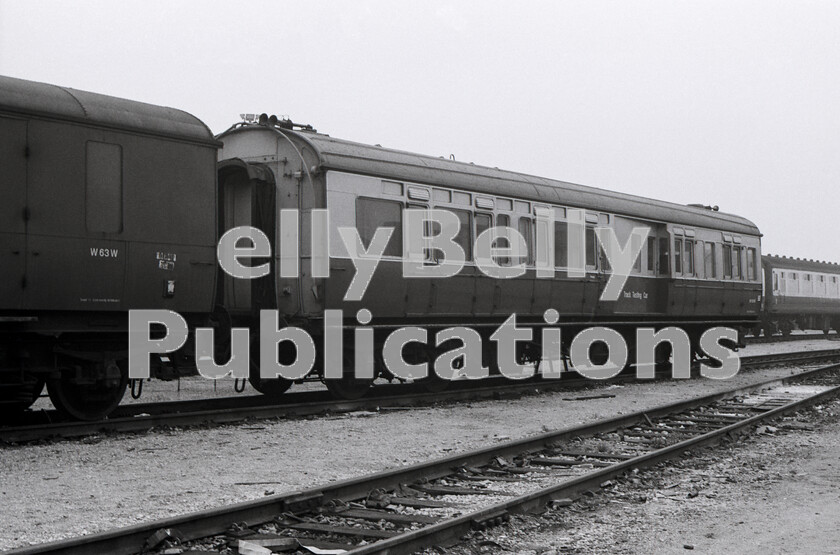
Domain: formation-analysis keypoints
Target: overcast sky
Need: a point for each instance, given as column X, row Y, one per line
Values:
column 719, row 102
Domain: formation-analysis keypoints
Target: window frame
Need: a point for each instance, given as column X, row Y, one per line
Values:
column 663, row 261
column 710, row 259
column 678, row 253
column 504, row 261
column 529, row 239
column 470, row 240
column 752, row 272
column 591, row 249
column 726, row 253
column 561, row 244
column 688, row 257
column 651, row 255
column 396, row 235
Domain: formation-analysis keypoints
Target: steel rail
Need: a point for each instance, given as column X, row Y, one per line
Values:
column 214, row 521
column 255, row 407
column 753, row 340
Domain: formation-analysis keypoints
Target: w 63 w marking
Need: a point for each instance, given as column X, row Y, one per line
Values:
column 104, row 253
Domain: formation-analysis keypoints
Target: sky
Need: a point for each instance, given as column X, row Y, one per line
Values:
column 728, row 103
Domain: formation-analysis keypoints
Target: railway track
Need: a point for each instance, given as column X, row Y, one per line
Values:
column 140, row 417
column 435, row 503
column 752, row 340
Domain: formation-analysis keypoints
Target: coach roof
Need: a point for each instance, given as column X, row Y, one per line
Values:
column 337, row 154
column 802, row 265
column 18, row 96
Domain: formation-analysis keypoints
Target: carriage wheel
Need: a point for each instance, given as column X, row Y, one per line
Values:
column 271, row 387
column 88, row 401
column 785, row 328
column 349, row 387
column 432, row 382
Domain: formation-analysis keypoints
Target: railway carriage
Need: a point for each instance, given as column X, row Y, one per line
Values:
column 699, row 268
column 800, row 293
column 106, row 205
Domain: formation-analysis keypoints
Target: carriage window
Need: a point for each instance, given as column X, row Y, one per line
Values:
column 689, row 257
column 678, row 256
column 526, row 230
column 591, row 248
column 463, row 237
column 664, row 256
column 709, row 260
column 520, row 206
column 775, row 282
column 483, row 222
column 430, row 229
column 374, row 213
column 699, row 266
column 392, row 188
column 751, row 270
column 561, row 246
column 604, row 259
column 736, row 263
column 637, row 265
column 461, row 198
column 103, row 187
column 442, row 195
column 502, row 220
column 651, row 254
column 727, row 261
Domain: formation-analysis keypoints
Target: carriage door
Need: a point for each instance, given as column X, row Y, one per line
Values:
column 683, row 292
column 663, row 269
column 13, row 153
column 594, row 281
column 690, row 272
column 247, row 198
column 74, row 197
column 604, row 270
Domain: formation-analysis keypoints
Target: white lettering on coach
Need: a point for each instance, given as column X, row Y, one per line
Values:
column 104, row 253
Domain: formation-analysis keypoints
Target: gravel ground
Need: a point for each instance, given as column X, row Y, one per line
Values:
column 56, row 490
